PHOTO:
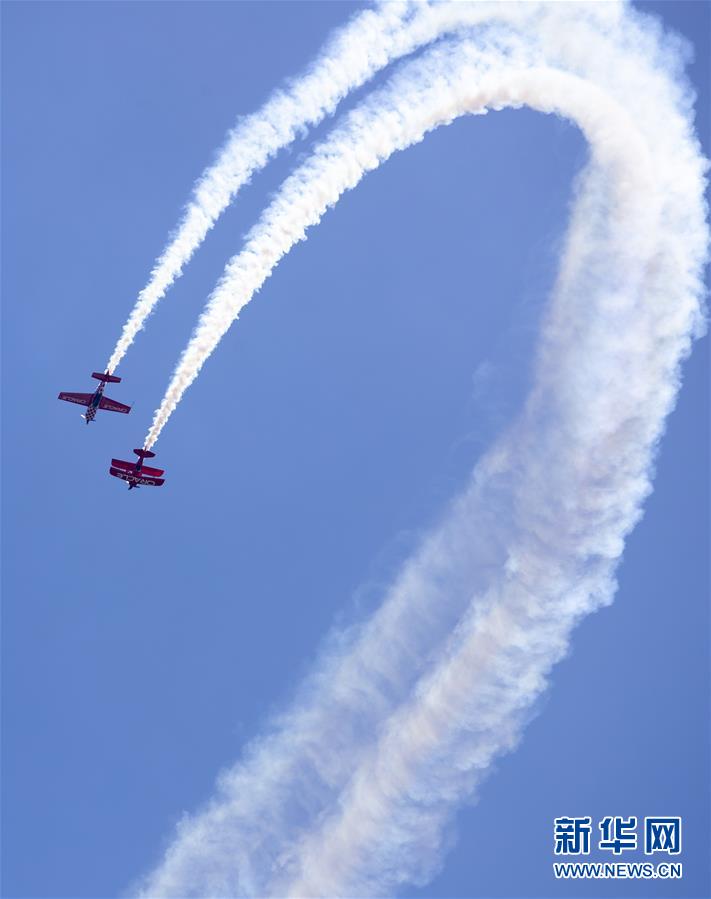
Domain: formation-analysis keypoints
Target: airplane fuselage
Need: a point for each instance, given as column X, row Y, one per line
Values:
column 91, row 409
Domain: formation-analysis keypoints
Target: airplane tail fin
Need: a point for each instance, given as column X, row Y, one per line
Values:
column 106, row 377
column 144, row 454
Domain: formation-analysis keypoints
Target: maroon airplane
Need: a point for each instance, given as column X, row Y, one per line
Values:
column 136, row 473
column 96, row 400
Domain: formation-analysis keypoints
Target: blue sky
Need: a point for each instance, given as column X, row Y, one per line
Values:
column 147, row 636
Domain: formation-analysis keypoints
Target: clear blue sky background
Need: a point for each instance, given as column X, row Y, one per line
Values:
column 147, row 635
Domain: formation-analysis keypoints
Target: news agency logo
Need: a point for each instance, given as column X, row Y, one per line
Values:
column 617, row 834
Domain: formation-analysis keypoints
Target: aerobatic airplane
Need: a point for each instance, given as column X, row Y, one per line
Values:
column 96, row 400
column 136, row 473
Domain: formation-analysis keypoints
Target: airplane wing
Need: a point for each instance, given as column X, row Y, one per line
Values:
column 139, row 479
column 113, row 406
column 152, row 472
column 121, row 463
column 119, row 473
column 83, row 399
column 131, row 467
column 151, row 482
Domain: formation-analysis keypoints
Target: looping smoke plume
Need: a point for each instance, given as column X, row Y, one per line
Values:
column 372, row 40
column 350, row 791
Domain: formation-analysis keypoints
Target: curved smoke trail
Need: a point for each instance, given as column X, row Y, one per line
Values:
column 401, row 719
column 357, row 52
column 596, row 42
column 351, row 57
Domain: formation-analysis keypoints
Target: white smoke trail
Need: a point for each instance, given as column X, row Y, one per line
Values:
column 577, row 483
column 584, row 50
column 357, row 52
column 351, row 57
column 349, row 795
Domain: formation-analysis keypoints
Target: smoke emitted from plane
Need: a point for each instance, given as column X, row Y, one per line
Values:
column 350, row 58
column 372, row 40
column 399, row 721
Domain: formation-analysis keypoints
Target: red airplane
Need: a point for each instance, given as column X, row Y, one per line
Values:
column 136, row 473
column 96, row 400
